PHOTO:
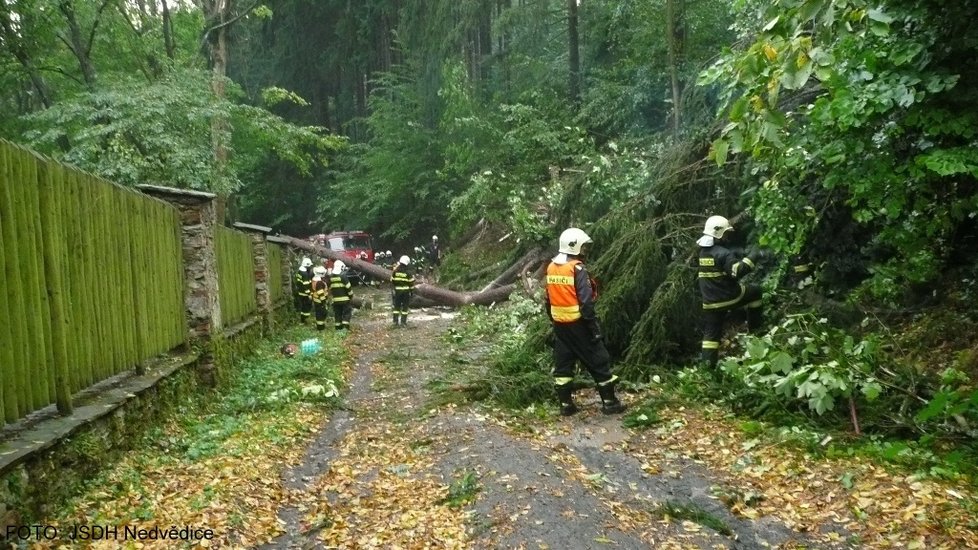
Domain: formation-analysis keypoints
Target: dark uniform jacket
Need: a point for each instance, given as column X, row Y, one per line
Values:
column 720, row 270
column 340, row 288
column 402, row 279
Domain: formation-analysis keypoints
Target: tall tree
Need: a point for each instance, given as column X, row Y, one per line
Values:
column 574, row 53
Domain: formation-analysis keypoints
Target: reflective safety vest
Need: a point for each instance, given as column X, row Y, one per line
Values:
column 562, row 292
column 339, row 288
column 318, row 290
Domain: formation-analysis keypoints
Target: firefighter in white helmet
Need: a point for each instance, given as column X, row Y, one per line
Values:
column 402, row 281
column 301, row 283
column 720, row 268
column 569, row 303
column 341, row 292
column 434, row 258
column 320, row 295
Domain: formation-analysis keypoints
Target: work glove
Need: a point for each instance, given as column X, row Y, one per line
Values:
column 760, row 255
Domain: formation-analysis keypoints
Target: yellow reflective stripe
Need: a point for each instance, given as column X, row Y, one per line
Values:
column 338, row 299
column 755, row 304
column 564, row 314
column 710, row 274
column 736, row 267
column 708, row 262
column 563, row 380
column 803, row 268
column 719, row 305
column 609, row 381
column 710, row 344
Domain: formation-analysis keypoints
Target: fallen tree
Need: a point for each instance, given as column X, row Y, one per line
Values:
column 499, row 291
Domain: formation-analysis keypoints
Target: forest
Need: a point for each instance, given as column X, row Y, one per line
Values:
column 839, row 134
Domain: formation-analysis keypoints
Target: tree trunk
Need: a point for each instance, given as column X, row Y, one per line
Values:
column 574, row 57
column 675, row 37
column 76, row 42
column 436, row 295
column 168, row 31
column 506, row 277
column 12, row 41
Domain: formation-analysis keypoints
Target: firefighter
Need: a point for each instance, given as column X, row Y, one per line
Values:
column 319, row 291
column 402, row 279
column 569, row 301
column 720, row 268
column 434, row 257
column 303, row 300
column 341, row 291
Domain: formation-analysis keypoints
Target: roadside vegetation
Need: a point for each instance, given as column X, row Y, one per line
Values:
column 217, row 461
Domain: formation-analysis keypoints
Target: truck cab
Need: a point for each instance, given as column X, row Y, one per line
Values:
column 353, row 244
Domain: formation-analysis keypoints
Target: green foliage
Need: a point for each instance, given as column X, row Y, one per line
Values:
column 691, row 512
column 266, row 382
column 644, row 415
column 463, row 489
column 134, row 132
column 805, row 358
column 857, row 104
column 520, row 361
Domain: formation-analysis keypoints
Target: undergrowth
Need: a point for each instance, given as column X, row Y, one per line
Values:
column 219, row 449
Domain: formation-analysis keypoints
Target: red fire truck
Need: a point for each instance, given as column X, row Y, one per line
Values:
column 353, row 244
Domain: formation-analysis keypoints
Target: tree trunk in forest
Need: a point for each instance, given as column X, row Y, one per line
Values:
column 675, row 37
column 12, row 41
column 77, row 44
column 436, row 295
column 532, row 257
column 168, row 31
column 574, row 57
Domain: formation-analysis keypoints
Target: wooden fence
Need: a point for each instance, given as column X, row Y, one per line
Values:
column 276, row 256
column 91, row 282
column 236, row 275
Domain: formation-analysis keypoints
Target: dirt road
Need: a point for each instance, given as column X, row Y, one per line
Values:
column 400, row 468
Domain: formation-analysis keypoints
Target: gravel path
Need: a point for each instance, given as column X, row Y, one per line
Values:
column 570, row 483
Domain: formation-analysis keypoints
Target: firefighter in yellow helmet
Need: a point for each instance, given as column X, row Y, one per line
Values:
column 320, row 298
column 570, row 305
column 341, row 292
column 720, row 268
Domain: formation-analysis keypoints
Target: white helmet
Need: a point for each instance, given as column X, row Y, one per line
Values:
column 319, row 270
column 404, row 260
column 434, row 237
column 572, row 240
column 338, row 267
column 388, row 254
column 306, row 262
column 716, row 227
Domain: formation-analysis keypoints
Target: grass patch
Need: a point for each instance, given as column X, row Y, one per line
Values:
column 691, row 512
column 645, row 414
column 219, row 448
column 462, row 490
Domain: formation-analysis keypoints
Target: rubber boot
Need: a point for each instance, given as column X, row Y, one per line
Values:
column 396, row 321
column 566, row 399
column 755, row 319
column 710, row 358
column 609, row 401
